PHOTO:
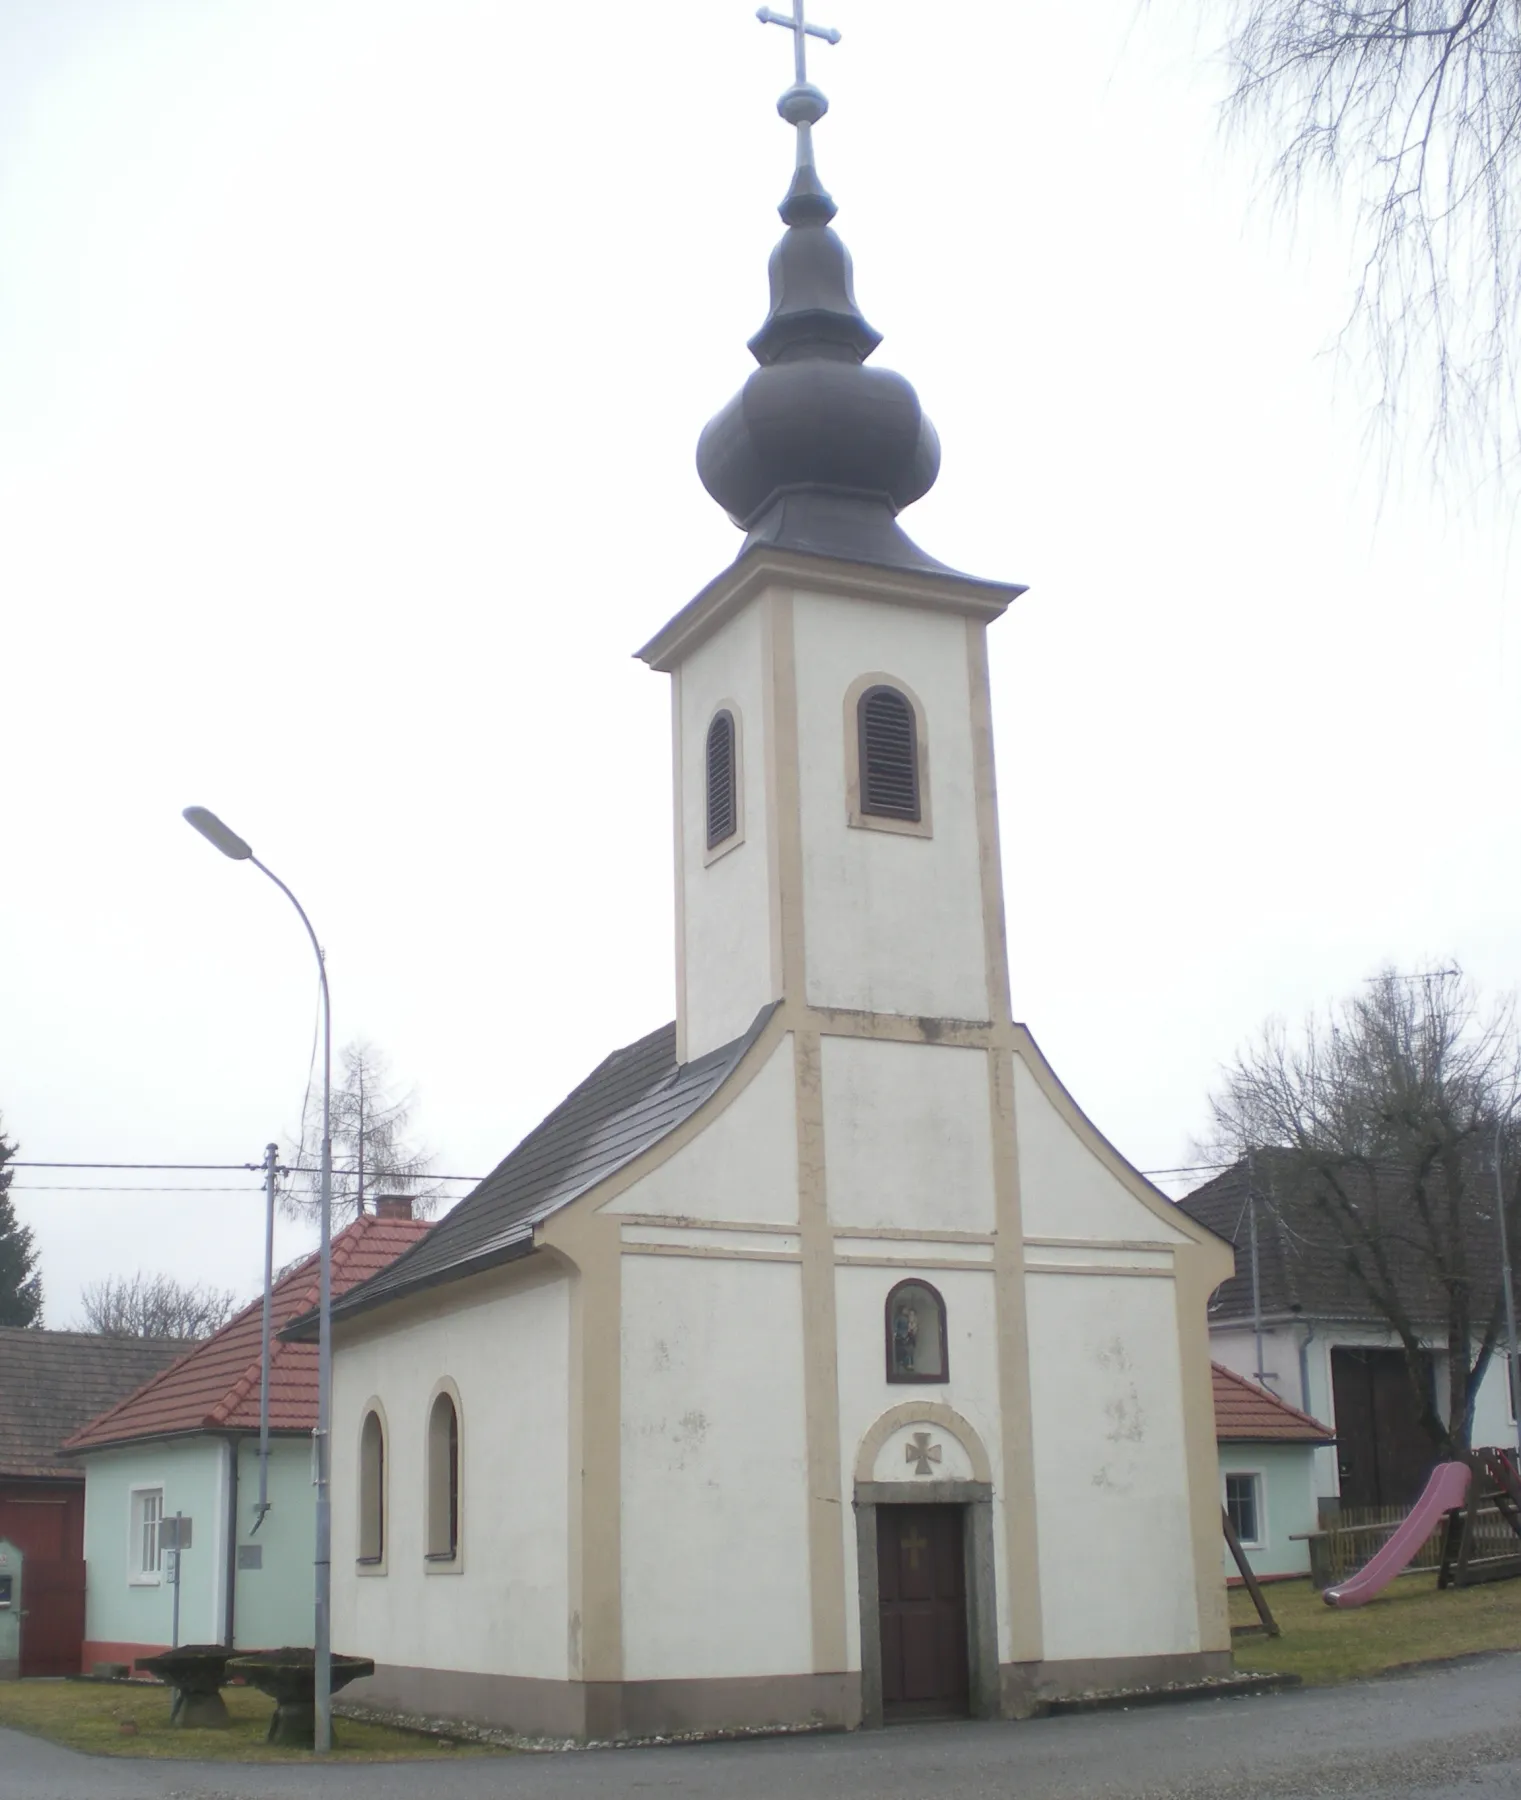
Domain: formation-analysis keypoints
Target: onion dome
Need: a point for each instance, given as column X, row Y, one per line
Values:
column 818, row 451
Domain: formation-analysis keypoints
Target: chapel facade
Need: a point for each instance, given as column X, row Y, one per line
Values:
column 816, row 1362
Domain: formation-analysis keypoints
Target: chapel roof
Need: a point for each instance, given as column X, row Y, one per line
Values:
column 52, row 1382
column 215, row 1386
column 1248, row 1414
column 630, row 1101
column 1301, row 1263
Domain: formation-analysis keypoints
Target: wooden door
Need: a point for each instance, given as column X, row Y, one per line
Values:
column 52, row 1616
column 1383, row 1453
column 36, row 1525
column 921, row 1590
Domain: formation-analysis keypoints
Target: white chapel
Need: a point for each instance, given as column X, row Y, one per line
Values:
column 816, row 1361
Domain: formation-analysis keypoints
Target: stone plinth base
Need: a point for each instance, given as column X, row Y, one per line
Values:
column 607, row 1711
column 1026, row 1688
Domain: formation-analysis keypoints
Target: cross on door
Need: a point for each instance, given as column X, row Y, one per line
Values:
column 913, row 1544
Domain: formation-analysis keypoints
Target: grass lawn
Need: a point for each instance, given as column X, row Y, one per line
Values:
column 86, row 1715
column 1409, row 1622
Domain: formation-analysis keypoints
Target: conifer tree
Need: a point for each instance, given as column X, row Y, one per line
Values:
column 20, row 1279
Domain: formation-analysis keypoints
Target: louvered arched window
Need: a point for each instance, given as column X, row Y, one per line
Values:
column 889, row 754
column 723, row 787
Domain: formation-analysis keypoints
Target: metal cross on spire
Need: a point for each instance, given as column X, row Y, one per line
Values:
column 802, row 105
column 801, row 31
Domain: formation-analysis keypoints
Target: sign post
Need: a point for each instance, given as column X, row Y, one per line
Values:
column 174, row 1536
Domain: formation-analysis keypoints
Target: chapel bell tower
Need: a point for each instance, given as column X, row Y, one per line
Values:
column 835, row 804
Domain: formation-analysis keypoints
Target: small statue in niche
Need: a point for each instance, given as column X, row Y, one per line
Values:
column 905, row 1339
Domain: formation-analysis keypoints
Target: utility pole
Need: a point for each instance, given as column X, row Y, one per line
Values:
column 1251, row 1212
column 270, row 1172
column 1251, row 1227
column 1511, row 1372
column 360, row 1189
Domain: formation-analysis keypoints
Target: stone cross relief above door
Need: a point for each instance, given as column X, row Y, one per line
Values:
column 923, row 1450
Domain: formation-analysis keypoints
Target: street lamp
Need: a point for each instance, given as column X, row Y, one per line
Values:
column 230, row 844
column 1513, row 1375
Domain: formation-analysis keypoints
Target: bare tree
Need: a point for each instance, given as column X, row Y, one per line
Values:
column 372, row 1152
column 1371, row 1134
column 1414, row 107
column 155, row 1306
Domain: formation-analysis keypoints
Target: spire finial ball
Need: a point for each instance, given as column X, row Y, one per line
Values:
column 803, row 104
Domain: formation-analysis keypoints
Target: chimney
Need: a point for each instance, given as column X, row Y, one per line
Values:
column 393, row 1206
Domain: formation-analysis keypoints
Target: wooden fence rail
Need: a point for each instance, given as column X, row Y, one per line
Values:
column 1360, row 1531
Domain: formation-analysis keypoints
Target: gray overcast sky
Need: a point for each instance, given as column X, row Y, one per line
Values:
column 352, row 358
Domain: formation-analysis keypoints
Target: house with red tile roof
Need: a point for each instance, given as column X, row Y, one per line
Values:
column 184, row 1447
column 1305, row 1323
column 1267, row 1473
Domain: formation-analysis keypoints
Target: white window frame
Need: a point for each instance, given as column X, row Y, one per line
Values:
column 436, row 1485
column 1259, row 1495
column 137, row 1522
column 373, row 1564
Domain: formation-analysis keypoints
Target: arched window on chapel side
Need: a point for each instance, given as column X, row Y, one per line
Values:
column 916, row 1341
column 443, row 1479
column 372, row 1489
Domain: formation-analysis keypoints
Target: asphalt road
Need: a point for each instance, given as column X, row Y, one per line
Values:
column 1447, row 1734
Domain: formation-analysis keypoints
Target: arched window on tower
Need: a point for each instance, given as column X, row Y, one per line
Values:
column 372, row 1489
column 723, row 783
column 443, row 1479
column 916, row 1346
column 889, row 754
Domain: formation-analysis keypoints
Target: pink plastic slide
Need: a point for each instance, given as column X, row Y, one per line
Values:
column 1447, row 1488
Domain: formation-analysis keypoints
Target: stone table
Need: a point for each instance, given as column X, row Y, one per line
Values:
column 289, row 1678
column 197, row 1673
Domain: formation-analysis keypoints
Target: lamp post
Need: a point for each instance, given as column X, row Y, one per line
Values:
column 230, row 844
column 1512, row 1374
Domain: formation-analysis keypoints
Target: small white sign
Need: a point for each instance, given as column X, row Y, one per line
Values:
column 175, row 1533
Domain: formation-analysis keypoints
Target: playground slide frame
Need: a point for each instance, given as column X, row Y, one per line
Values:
column 1447, row 1488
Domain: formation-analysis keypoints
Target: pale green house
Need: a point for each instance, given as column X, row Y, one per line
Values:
column 1267, row 1474
column 182, row 1455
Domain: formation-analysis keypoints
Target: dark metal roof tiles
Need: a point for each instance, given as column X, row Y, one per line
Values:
column 52, row 1382
column 1302, row 1267
column 629, row 1102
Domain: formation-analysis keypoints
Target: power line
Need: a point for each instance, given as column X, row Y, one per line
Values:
column 184, row 1168
column 1189, row 1169
column 381, row 1174
column 22, row 1187
column 211, row 1169
column 301, row 1169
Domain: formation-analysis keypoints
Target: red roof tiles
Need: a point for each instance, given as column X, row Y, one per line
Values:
column 216, row 1386
column 1248, row 1414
